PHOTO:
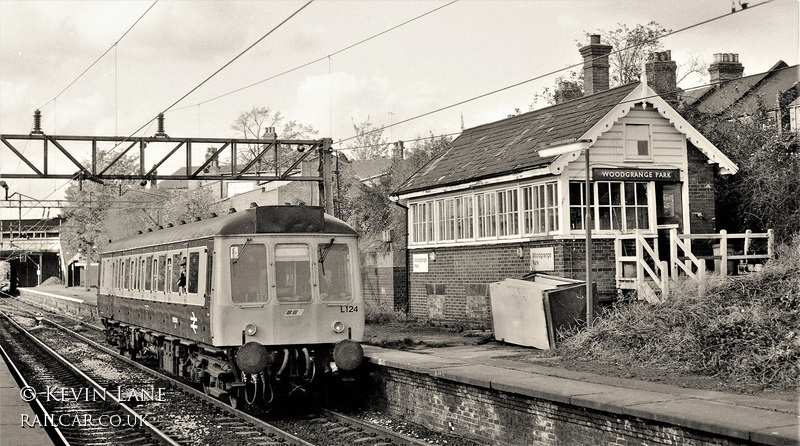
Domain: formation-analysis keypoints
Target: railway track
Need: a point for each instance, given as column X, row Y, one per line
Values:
column 186, row 414
column 79, row 420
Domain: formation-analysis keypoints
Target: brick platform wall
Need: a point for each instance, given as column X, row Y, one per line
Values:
column 500, row 418
column 455, row 288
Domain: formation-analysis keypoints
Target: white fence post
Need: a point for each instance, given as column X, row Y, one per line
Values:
column 723, row 250
column 673, row 252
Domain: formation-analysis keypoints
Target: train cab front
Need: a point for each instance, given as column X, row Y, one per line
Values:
column 296, row 310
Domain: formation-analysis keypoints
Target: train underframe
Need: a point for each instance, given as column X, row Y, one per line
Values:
column 248, row 374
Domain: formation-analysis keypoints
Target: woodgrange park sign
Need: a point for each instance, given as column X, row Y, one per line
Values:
column 671, row 175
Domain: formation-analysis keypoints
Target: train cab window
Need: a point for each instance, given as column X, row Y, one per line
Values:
column 334, row 273
column 161, row 265
column 193, row 270
column 293, row 272
column 248, row 273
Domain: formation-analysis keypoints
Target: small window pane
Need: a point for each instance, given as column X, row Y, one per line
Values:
column 194, row 269
column 148, row 274
column 161, row 272
column 293, row 272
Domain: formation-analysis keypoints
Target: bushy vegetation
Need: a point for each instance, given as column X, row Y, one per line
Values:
column 743, row 329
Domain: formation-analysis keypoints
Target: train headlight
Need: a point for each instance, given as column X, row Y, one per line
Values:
column 338, row 326
column 250, row 329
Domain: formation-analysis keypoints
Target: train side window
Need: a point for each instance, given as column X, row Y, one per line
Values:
column 132, row 273
column 293, row 272
column 148, row 274
column 168, row 284
column 154, row 273
column 142, row 273
column 176, row 271
column 334, row 273
column 125, row 276
column 161, row 272
column 249, row 273
column 192, row 273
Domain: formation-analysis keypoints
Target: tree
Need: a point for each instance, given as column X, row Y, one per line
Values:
column 189, row 204
column 89, row 204
column 371, row 211
column 630, row 49
column 369, row 142
column 254, row 123
column 765, row 193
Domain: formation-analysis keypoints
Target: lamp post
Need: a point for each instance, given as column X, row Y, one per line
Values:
column 578, row 147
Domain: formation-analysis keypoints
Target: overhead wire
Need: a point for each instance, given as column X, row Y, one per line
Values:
column 321, row 58
column 542, row 76
column 184, row 96
column 638, row 99
column 218, row 71
column 114, row 45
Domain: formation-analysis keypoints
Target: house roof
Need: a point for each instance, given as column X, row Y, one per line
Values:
column 367, row 169
column 739, row 97
column 512, row 145
column 184, row 184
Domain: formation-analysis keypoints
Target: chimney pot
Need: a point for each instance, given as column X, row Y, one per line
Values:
column 661, row 72
column 726, row 67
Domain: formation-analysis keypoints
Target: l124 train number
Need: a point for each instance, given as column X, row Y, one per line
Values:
column 348, row 308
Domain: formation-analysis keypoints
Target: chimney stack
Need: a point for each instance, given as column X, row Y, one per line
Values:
column 661, row 71
column 595, row 65
column 725, row 67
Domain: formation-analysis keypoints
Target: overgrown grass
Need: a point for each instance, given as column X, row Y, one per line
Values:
column 744, row 329
column 378, row 314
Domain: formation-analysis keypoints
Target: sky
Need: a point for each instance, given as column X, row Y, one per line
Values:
column 461, row 51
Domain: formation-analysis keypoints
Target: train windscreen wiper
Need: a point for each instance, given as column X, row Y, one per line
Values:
column 323, row 252
column 241, row 251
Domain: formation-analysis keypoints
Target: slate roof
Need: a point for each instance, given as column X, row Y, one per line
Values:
column 371, row 168
column 511, row 145
column 740, row 96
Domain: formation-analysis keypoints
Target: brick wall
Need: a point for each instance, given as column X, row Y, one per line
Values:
column 383, row 280
column 499, row 418
column 701, row 192
column 455, row 288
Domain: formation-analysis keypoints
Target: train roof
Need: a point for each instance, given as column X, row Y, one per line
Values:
column 257, row 220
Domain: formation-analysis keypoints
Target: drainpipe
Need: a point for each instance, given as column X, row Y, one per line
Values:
column 408, row 272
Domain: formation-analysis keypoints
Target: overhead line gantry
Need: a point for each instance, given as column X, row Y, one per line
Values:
column 282, row 163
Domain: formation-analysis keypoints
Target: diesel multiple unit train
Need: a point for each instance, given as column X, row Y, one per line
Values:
column 255, row 304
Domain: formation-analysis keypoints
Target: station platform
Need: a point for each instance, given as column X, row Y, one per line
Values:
column 506, row 369
column 13, row 411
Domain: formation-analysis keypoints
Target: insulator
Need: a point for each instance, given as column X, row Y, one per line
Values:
column 161, row 132
column 37, row 123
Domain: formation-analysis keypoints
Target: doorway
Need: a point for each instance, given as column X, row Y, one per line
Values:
column 669, row 205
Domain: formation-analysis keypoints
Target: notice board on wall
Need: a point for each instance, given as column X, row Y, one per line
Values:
column 419, row 263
